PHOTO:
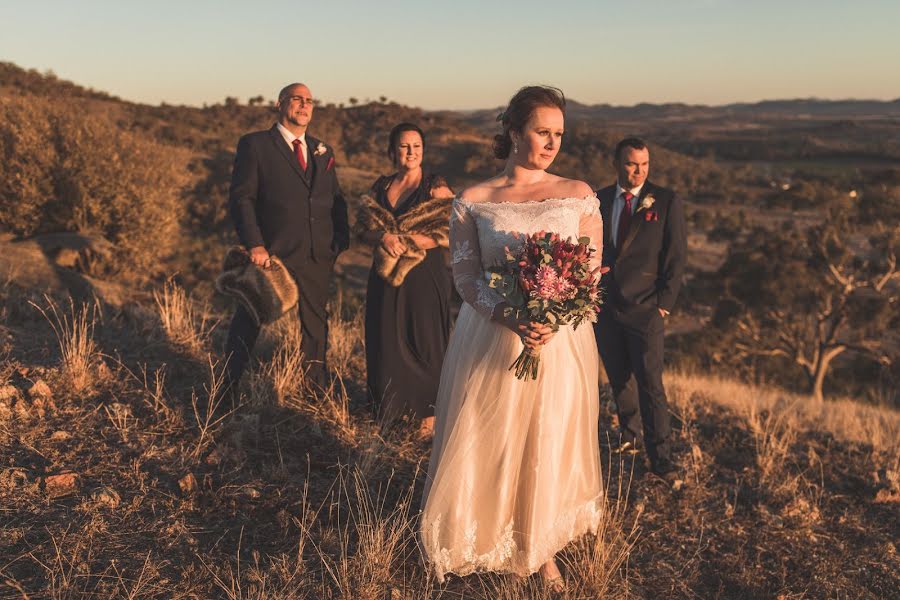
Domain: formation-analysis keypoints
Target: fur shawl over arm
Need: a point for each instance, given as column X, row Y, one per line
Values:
column 430, row 218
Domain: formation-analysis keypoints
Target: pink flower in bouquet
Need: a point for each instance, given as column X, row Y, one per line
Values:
column 565, row 290
column 548, row 280
column 547, row 283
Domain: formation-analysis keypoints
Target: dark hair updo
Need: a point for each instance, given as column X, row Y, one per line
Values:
column 395, row 137
column 520, row 109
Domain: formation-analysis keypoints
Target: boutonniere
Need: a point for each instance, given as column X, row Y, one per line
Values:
column 321, row 149
column 651, row 215
column 647, row 202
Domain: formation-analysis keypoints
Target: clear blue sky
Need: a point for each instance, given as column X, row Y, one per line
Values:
column 463, row 53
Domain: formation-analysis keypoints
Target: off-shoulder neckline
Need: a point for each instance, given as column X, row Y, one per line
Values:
column 535, row 201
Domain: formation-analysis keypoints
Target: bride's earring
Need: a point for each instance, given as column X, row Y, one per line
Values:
column 515, row 147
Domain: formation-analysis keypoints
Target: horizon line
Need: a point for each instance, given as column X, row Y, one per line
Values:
column 51, row 73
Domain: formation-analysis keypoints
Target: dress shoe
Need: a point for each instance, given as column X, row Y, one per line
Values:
column 664, row 469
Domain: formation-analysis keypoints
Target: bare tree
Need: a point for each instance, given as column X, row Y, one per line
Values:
column 810, row 299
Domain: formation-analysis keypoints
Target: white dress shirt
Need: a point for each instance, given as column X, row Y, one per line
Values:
column 618, row 205
column 290, row 137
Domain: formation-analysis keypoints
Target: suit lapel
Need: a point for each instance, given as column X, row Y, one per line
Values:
column 282, row 148
column 636, row 219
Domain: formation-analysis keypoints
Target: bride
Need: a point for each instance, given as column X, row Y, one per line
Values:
column 515, row 468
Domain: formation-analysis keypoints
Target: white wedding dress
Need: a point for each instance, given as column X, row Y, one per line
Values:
column 515, row 468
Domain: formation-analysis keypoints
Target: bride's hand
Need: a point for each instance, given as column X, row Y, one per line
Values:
column 532, row 334
column 537, row 334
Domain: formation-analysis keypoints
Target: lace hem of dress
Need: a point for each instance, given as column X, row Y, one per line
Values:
column 505, row 557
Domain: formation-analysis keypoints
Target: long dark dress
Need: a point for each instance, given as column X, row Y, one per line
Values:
column 407, row 327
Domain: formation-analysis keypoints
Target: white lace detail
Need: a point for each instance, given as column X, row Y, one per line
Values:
column 488, row 297
column 481, row 231
column 497, row 223
column 457, row 211
column 462, row 252
column 440, row 557
column 505, row 555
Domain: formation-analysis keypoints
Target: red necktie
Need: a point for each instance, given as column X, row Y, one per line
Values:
column 624, row 220
column 298, row 151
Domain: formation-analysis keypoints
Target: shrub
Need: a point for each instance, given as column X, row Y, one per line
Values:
column 72, row 168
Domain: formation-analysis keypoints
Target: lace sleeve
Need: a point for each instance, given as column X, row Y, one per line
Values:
column 591, row 225
column 468, row 274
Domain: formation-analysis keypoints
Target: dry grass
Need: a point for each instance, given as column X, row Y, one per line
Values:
column 185, row 324
column 773, row 432
column 211, row 407
column 374, row 534
column 300, row 494
column 346, row 342
column 74, row 332
column 776, row 421
column 846, row 419
column 598, row 563
column 282, row 379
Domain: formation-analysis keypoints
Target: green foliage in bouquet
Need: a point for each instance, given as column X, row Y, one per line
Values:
column 549, row 281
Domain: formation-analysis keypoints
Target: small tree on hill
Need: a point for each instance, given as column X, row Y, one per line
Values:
column 809, row 297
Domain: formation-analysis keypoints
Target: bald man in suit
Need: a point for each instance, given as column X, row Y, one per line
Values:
column 285, row 200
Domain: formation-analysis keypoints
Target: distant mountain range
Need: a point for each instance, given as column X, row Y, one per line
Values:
column 33, row 81
column 811, row 108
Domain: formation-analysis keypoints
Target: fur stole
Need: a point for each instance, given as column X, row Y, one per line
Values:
column 430, row 218
column 266, row 293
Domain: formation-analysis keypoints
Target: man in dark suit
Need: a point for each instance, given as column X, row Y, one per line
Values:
column 285, row 200
column 644, row 246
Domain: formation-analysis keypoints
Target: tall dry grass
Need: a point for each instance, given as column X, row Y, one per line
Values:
column 281, row 380
column 776, row 419
column 346, row 340
column 774, row 431
column 374, row 531
column 846, row 419
column 74, row 331
column 212, row 407
column 361, row 543
column 185, row 323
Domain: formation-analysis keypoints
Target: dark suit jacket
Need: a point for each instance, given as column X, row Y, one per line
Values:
column 649, row 268
column 298, row 216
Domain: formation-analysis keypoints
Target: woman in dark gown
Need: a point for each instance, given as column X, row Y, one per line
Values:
column 405, row 219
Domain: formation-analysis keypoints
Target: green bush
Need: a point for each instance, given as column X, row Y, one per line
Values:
column 69, row 167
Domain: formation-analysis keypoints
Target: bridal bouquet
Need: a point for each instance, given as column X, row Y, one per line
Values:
column 550, row 281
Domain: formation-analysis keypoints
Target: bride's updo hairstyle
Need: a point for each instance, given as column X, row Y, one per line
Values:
column 520, row 109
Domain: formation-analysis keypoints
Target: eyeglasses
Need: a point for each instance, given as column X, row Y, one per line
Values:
column 302, row 101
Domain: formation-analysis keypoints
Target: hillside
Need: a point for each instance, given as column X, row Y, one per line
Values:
column 122, row 478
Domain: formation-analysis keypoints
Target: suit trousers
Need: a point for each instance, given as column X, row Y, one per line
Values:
column 314, row 282
column 631, row 346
